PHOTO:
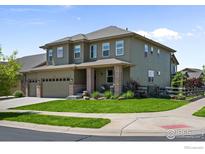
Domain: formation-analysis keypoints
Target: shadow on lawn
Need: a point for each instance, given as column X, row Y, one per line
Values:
column 4, row 115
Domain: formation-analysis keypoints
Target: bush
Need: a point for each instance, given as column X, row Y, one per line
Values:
column 95, row 94
column 132, row 86
column 180, row 97
column 108, row 94
column 129, row 94
column 191, row 83
column 18, row 94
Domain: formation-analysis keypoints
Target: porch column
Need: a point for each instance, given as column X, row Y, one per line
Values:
column 39, row 89
column 118, row 79
column 90, row 79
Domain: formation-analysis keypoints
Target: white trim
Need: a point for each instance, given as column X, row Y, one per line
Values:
column 123, row 48
column 77, row 52
column 146, row 46
column 57, row 52
column 110, row 76
column 158, row 51
column 50, row 52
column 105, row 50
column 96, row 51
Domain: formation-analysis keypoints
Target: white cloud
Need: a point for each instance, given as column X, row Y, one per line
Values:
column 199, row 27
column 78, row 18
column 189, row 34
column 161, row 34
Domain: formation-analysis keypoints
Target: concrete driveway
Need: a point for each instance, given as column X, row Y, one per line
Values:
column 15, row 102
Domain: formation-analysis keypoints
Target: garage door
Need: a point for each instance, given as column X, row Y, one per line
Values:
column 32, row 88
column 58, row 87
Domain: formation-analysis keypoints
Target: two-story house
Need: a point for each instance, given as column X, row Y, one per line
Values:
column 109, row 56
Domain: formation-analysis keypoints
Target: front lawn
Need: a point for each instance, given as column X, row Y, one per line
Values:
column 54, row 120
column 107, row 106
column 200, row 113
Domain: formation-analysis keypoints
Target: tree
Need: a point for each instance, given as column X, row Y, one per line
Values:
column 203, row 77
column 178, row 80
column 9, row 73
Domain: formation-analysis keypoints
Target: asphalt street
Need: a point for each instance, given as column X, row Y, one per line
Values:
column 16, row 134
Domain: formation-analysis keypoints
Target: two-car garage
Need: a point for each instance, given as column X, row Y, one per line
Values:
column 52, row 84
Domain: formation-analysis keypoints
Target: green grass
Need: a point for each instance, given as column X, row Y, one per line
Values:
column 107, row 106
column 200, row 113
column 54, row 120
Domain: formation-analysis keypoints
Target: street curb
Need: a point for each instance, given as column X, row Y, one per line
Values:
column 83, row 131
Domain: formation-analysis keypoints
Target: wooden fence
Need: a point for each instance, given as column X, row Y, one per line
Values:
column 173, row 91
column 169, row 91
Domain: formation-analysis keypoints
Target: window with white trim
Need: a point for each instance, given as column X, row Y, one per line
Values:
column 77, row 51
column 152, row 49
column 151, row 76
column 59, row 52
column 119, row 48
column 50, row 54
column 109, row 76
column 158, row 51
column 93, row 51
column 105, row 49
column 146, row 50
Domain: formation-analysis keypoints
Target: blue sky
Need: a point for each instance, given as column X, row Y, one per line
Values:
column 25, row 28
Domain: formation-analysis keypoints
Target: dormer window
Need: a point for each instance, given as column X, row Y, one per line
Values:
column 59, row 52
column 77, row 51
column 106, row 49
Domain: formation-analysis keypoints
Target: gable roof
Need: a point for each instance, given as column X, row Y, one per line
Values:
column 191, row 70
column 29, row 62
column 107, row 32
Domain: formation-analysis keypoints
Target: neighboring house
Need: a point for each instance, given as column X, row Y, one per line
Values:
column 110, row 56
column 192, row 73
column 27, row 63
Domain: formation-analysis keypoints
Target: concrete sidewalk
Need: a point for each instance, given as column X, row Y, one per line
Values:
column 129, row 124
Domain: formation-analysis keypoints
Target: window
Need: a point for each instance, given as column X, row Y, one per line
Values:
column 152, row 50
column 50, row 54
column 93, row 51
column 106, row 49
column 119, row 48
column 151, row 76
column 60, row 52
column 109, row 76
column 146, row 49
column 158, row 51
column 77, row 51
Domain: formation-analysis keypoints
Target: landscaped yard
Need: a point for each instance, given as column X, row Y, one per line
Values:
column 55, row 120
column 107, row 106
column 200, row 113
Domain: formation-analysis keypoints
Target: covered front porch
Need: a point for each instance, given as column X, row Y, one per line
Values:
column 105, row 75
